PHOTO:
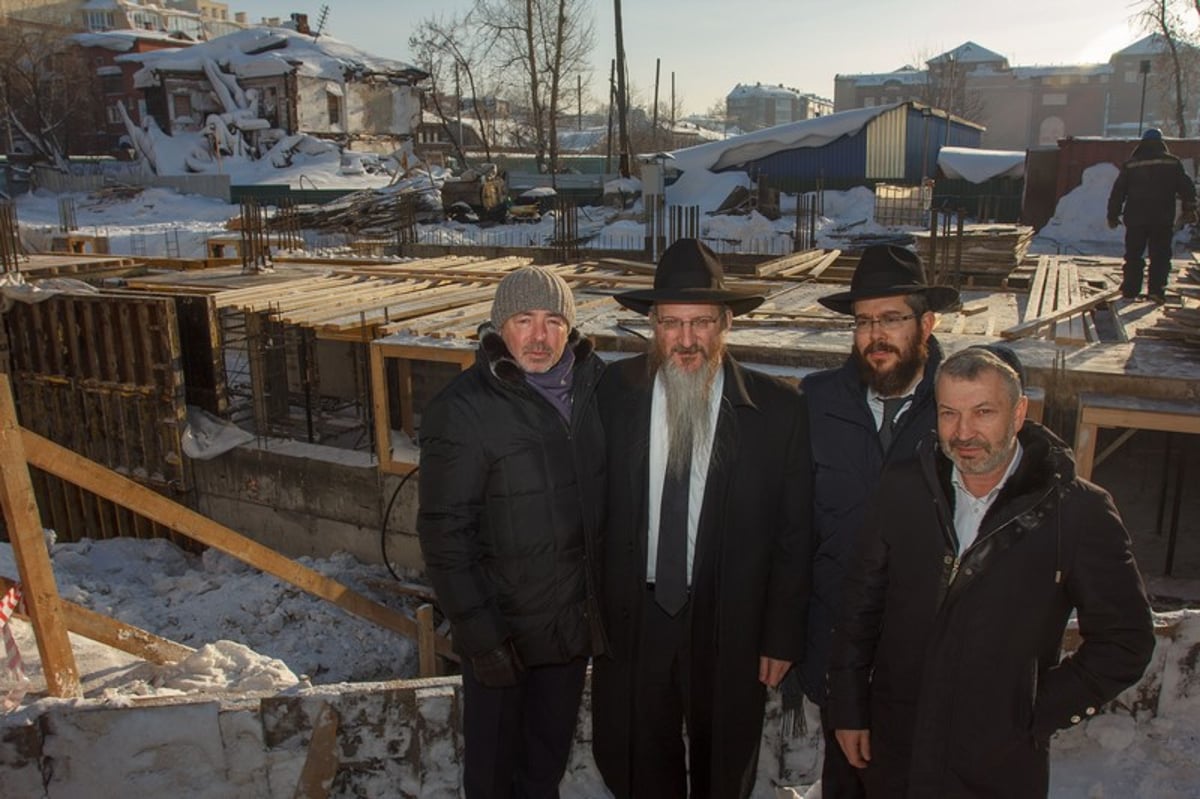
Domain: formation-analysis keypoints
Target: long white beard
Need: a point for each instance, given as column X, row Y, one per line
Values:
column 689, row 416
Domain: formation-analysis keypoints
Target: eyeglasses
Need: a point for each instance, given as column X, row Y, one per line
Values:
column 888, row 322
column 701, row 324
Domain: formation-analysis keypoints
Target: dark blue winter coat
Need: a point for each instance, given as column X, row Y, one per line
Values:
column 847, row 462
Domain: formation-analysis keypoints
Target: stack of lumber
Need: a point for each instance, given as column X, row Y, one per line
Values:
column 986, row 249
column 804, row 265
column 1059, row 304
column 1181, row 324
column 371, row 210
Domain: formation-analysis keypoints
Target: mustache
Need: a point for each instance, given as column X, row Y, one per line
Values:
column 974, row 443
column 880, row 346
column 695, row 349
column 536, row 349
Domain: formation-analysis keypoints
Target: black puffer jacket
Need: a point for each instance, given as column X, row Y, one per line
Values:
column 511, row 504
column 847, row 462
column 1147, row 187
column 951, row 660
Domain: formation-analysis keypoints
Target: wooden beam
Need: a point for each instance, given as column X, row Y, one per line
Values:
column 426, row 641
column 33, row 558
column 1030, row 326
column 64, row 463
column 118, row 635
column 321, row 763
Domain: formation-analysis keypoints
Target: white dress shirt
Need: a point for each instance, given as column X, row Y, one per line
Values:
column 969, row 509
column 658, row 468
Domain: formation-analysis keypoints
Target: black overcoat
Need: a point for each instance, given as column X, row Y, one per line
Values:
column 511, row 505
column 750, row 577
column 847, row 462
column 952, row 661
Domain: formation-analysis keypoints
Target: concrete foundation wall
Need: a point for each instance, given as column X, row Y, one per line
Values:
column 308, row 500
column 395, row 739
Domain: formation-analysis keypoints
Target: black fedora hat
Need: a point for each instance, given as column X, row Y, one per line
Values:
column 886, row 270
column 689, row 272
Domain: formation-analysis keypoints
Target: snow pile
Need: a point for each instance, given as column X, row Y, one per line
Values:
column 1080, row 220
column 252, row 631
column 977, row 166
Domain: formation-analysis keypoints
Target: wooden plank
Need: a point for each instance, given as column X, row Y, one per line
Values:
column 1031, row 326
column 50, row 457
column 321, row 763
column 426, row 641
column 118, row 635
column 33, row 559
column 1033, row 307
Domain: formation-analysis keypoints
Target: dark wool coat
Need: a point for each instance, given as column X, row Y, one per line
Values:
column 847, row 462
column 511, row 505
column 750, row 576
column 1147, row 186
column 953, row 662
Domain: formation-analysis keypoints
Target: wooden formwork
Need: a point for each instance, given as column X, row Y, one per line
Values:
column 101, row 375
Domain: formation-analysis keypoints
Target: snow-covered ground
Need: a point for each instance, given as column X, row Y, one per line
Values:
column 255, row 633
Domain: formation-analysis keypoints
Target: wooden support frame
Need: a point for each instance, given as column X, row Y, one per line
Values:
column 1099, row 410
column 404, row 354
column 39, row 589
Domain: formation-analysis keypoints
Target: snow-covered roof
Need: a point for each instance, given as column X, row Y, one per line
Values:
column 977, row 166
column 122, row 41
column 257, row 52
column 906, row 76
column 1066, row 69
column 968, row 53
column 1148, row 45
column 760, row 90
column 816, row 132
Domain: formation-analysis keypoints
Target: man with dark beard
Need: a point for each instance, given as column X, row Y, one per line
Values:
column 866, row 415
column 705, row 547
column 946, row 677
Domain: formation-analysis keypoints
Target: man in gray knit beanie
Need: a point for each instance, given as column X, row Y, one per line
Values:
column 512, row 477
column 532, row 288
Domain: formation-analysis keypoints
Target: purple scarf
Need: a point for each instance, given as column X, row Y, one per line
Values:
column 555, row 384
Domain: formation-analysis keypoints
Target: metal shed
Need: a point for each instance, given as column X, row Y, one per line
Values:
column 899, row 145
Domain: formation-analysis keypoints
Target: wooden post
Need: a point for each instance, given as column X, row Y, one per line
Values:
column 33, row 559
column 426, row 641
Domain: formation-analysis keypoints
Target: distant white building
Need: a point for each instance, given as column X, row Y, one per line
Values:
column 751, row 107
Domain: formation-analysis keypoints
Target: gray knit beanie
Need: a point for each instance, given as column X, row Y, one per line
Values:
column 532, row 289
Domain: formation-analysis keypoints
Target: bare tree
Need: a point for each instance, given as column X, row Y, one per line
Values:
column 539, row 45
column 48, row 96
column 1178, row 61
column 450, row 50
column 945, row 88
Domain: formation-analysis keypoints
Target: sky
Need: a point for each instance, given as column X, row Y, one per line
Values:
column 712, row 45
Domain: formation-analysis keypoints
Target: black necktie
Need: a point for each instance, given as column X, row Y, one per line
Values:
column 670, row 571
column 891, row 407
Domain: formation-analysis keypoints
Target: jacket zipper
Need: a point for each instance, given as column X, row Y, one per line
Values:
column 958, row 558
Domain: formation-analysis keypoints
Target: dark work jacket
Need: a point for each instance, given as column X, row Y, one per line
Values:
column 952, row 660
column 749, row 578
column 847, row 462
column 1147, row 186
column 511, row 505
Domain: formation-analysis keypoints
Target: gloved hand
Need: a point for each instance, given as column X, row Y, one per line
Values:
column 1112, row 223
column 498, row 668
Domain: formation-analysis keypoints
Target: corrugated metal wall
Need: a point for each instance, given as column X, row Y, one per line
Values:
column 886, row 138
column 839, row 164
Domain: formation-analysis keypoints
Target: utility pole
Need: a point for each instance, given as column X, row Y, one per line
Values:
column 654, row 135
column 1144, row 68
column 612, row 92
column 622, row 97
column 579, row 102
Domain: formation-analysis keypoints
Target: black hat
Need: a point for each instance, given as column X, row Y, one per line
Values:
column 886, row 270
column 689, row 272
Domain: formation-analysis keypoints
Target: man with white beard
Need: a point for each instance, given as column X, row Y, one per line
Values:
column 705, row 550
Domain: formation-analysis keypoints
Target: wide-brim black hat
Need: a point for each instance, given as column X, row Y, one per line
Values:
column 689, row 272
column 886, row 270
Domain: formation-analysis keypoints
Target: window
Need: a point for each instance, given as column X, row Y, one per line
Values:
column 1131, row 76
column 114, row 114
column 334, row 104
column 181, row 106
column 1059, row 98
column 99, row 20
column 110, row 81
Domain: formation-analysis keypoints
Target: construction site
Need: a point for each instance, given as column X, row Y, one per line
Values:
column 121, row 376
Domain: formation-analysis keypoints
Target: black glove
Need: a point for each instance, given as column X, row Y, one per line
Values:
column 499, row 668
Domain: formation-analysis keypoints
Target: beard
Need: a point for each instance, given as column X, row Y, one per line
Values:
column 910, row 361
column 688, row 395
column 994, row 456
